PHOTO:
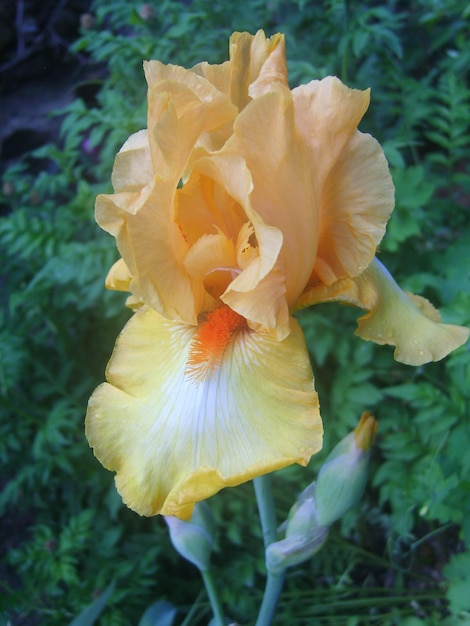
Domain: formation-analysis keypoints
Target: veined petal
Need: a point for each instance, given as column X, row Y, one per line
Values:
column 273, row 70
column 153, row 249
column 356, row 201
column 327, row 114
column 209, row 253
column 217, row 75
column 254, row 61
column 119, row 277
column 283, row 193
column 245, row 251
column 173, row 441
column 182, row 107
column 133, row 164
column 407, row 322
column 273, row 319
column 203, row 206
column 229, row 172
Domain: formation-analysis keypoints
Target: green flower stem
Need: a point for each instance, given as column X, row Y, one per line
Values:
column 274, row 583
column 213, row 597
column 272, row 592
column 267, row 513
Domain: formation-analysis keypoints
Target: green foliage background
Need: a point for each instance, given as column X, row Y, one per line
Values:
column 403, row 557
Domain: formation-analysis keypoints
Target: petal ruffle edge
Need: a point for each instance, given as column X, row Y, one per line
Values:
column 173, row 441
column 408, row 322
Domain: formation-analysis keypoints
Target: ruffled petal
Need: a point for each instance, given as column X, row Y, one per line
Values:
column 153, row 249
column 356, row 201
column 327, row 114
column 283, row 194
column 274, row 318
column 405, row 321
column 355, row 193
column 203, row 206
column 217, row 75
column 173, row 441
column 182, row 108
column 119, row 277
column 228, row 171
column 254, row 62
column 211, row 253
column 133, row 164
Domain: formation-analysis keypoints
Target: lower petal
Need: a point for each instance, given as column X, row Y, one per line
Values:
column 174, row 441
column 410, row 323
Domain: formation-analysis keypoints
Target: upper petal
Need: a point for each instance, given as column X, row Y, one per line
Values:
column 283, row 192
column 354, row 190
column 258, row 292
column 119, row 278
column 327, row 114
column 153, row 249
column 256, row 62
column 356, row 200
column 408, row 322
column 174, row 442
column 133, row 168
column 182, row 108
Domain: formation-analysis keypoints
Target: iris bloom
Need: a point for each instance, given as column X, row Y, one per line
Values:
column 241, row 202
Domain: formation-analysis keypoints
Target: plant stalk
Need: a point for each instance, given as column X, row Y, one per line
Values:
column 213, row 597
column 275, row 581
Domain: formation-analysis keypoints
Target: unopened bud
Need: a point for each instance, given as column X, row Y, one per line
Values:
column 304, row 535
column 339, row 486
column 194, row 540
column 342, row 478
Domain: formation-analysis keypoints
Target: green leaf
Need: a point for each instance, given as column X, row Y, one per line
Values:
column 161, row 613
column 89, row 615
column 457, row 572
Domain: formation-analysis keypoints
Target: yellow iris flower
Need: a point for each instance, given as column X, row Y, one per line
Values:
column 242, row 201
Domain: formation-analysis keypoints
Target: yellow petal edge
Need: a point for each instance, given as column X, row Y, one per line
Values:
column 174, row 442
column 405, row 321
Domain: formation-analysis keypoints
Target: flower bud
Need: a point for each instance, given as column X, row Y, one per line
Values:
column 342, row 478
column 304, row 535
column 194, row 540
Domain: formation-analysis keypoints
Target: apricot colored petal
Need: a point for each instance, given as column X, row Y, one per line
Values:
column 133, row 164
column 230, row 172
column 327, row 114
column 119, row 277
column 272, row 318
column 182, row 107
column 394, row 318
column 153, row 249
column 356, row 201
column 244, row 250
column 273, row 70
column 203, row 206
column 283, row 194
column 174, row 442
column 257, row 61
column 210, row 253
column 217, row 75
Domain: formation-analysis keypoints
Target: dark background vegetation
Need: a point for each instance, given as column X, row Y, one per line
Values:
column 402, row 557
